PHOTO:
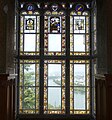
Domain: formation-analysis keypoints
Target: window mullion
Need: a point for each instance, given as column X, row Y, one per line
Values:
column 41, row 60
column 91, row 63
column 67, row 62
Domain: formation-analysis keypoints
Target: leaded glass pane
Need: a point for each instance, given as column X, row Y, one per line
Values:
column 29, row 87
column 54, row 87
column 29, row 42
column 79, row 74
column 79, row 98
column 79, row 43
column 29, row 24
column 54, row 75
column 54, row 42
column 94, row 32
column 54, row 33
column 29, row 98
column 64, row 57
column 55, row 24
column 29, row 34
column 95, row 72
column 79, row 34
column 79, row 87
column 79, row 24
column 54, row 98
column 29, row 74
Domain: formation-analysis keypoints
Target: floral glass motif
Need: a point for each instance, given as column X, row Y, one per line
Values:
column 29, row 87
column 30, row 24
column 79, row 87
column 54, row 24
column 54, row 87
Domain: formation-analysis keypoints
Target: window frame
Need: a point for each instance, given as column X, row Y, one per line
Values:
column 67, row 59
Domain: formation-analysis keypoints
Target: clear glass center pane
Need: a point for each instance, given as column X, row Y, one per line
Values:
column 54, row 75
column 29, row 98
column 79, row 98
column 79, row 74
column 79, row 43
column 29, row 74
column 54, row 98
column 54, row 42
column 29, row 42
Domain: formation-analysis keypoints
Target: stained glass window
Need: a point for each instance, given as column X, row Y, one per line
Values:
column 54, row 87
column 29, row 32
column 54, row 32
column 79, row 87
column 94, row 93
column 94, row 31
column 30, row 7
column 94, row 52
column 29, row 86
column 29, row 24
column 79, row 8
column 55, row 60
column 54, row 24
column 79, row 32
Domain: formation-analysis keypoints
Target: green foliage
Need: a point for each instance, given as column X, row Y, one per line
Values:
column 50, row 106
column 54, row 107
column 29, row 98
column 29, row 90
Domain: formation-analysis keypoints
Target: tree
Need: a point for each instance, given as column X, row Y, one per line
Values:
column 28, row 86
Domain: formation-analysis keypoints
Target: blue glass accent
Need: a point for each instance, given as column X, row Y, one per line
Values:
column 79, row 8
column 30, row 7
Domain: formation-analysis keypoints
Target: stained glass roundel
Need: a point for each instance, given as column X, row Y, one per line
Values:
column 79, row 8
column 30, row 7
column 54, row 7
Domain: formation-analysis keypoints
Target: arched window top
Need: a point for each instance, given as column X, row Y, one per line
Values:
column 86, row 13
column 47, row 13
column 54, row 6
column 30, row 12
column 79, row 9
column 29, row 8
column 54, row 13
column 54, row 9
